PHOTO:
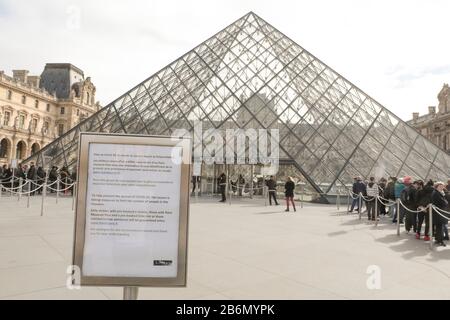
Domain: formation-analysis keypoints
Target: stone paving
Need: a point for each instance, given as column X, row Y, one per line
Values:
column 241, row 251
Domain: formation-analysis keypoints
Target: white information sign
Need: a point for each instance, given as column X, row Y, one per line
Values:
column 132, row 211
column 132, row 207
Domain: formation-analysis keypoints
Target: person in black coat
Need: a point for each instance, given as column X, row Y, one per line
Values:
column 272, row 188
column 289, row 193
column 240, row 184
column 222, row 181
column 40, row 178
column 381, row 189
column 424, row 193
column 439, row 201
column 52, row 177
column 409, row 199
column 358, row 188
column 64, row 175
column 31, row 176
column 19, row 174
column 389, row 193
column 6, row 176
column 195, row 183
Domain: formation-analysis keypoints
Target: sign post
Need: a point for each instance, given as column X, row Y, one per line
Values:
column 132, row 211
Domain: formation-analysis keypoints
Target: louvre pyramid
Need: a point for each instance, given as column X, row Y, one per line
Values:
column 250, row 74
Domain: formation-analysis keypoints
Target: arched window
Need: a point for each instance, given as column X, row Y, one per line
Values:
column 4, row 146
column 35, row 148
column 21, row 150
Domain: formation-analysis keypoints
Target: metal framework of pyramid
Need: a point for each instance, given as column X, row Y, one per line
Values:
column 250, row 74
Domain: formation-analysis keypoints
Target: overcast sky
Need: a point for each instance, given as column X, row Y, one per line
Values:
column 396, row 51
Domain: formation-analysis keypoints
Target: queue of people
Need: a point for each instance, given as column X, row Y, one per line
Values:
column 10, row 178
column 415, row 197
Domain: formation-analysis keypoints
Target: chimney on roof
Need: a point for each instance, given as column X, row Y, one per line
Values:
column 34, row 81
column 431, row 110
column 415, row 116
column 21, row 75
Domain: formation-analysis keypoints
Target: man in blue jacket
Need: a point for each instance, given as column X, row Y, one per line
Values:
column 398, row 188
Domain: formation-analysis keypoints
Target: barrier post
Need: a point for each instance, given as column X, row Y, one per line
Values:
column 376, row 210
column 338, row 200
column 251, row 182
column 266, row 193
column 398, row 217
column 73, row 195
column 348, row 202
column 301, row 198
column 57, row 191
column 19, row 191
column 29, row 195
column 359, row 205
column 44, row 193
column 430, row 228
column 227, row 180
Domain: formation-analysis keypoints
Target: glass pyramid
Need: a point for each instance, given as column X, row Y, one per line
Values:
column 250, row 75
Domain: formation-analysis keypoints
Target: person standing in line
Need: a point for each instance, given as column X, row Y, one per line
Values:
column 447, row 187
column 355, row 197
column 73, row 178
column 222, row 186
column 272, row 188
column 19, row 174
column 447, row 197
column 359, row 188
column 389, row 193
column 372, row 194
column 289, row 193
column 424, row 193
column 6, row 176
column 40, row 178
column 439, row 201
column 409, row 199
column 52, row 177
column 31, row 176
column 65, row 176
column 240, row 184
column 381, row 188
column 398, row 188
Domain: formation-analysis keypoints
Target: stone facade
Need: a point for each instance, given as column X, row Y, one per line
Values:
column 436, row 124
column 34, row 110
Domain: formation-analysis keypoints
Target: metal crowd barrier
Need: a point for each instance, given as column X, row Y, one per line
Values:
column 22, row 191
column 429, row 209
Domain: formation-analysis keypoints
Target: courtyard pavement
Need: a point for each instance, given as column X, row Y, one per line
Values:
column 241, row 251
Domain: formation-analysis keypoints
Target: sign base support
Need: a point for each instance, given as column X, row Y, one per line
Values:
column 130, row 293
